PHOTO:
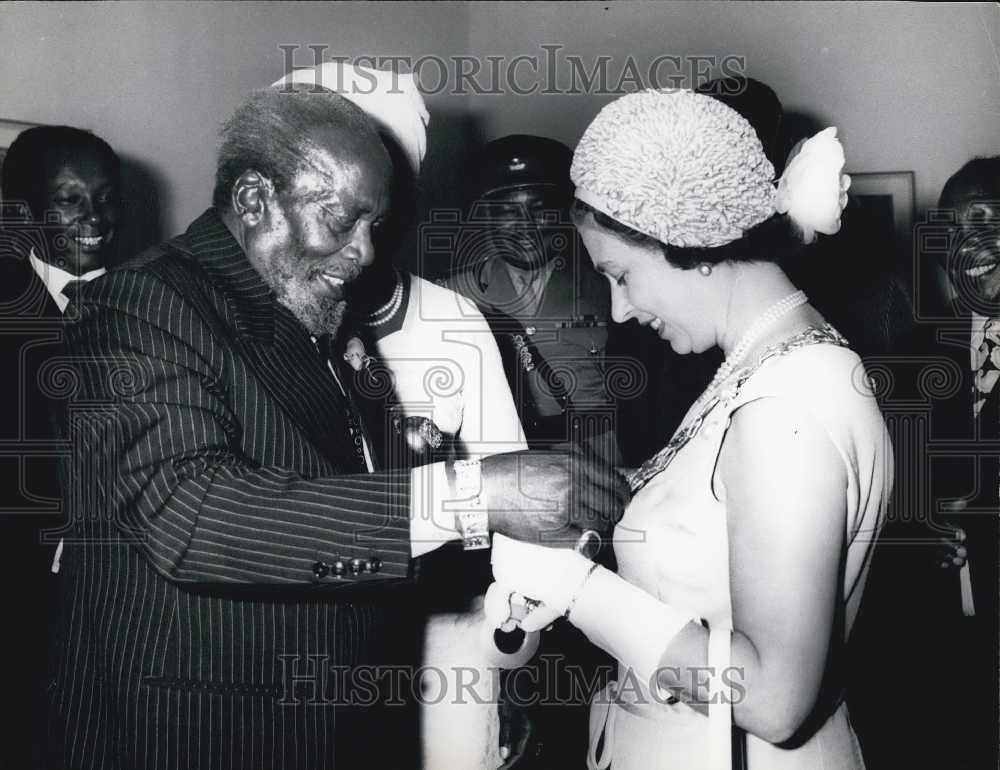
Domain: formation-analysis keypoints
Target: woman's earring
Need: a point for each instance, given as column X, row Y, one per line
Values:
column 705, row 269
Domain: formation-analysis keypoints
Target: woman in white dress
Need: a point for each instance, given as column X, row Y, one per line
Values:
column 744, row 552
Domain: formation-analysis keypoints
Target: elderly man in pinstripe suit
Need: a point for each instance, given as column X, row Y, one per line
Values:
column 231, row 576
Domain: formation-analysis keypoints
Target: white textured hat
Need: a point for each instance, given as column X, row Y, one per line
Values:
column 678, row 166
column 391, row 99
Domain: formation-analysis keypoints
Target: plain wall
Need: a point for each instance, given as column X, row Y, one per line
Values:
column 911, row 87
column 157, row 80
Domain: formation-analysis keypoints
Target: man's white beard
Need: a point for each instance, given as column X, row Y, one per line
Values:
column 318, row 318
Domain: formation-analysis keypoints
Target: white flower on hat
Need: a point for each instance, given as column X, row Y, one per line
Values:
column 813, row 191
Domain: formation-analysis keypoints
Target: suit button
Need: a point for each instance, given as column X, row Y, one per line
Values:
column 320, row 570
column 357, row 565
column 339, row 568
column 374, row 564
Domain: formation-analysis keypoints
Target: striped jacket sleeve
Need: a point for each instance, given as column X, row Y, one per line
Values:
column 157, row 428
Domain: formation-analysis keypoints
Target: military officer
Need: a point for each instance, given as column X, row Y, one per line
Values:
column 519, row 259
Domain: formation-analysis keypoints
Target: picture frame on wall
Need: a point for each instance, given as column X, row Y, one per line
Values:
column 889, row 196
column 857, row 278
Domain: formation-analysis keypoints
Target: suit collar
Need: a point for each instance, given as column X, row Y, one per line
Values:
column 209, row 243
column 56, row 280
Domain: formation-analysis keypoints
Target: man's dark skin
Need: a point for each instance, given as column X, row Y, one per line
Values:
column 918, row 607
column 79, row 202
column 325, row 221
column 84, row 195
column 73, row 204
column 305, row 234
column 974, row 266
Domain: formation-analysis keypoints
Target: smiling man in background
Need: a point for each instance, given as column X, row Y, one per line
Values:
column 966, row 488
column 61, row 205
column 67, row 182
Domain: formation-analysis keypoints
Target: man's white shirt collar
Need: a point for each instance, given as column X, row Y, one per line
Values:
column 976, row 338
column 55, row 279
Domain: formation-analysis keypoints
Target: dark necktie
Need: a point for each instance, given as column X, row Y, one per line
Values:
column 986, row 398
column 70, row 291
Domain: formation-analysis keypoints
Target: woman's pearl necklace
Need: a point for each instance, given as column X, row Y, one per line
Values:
column 766, row 319
column 390, row 308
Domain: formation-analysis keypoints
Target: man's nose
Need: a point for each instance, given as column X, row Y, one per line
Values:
column 88, row 211
column 362, row 248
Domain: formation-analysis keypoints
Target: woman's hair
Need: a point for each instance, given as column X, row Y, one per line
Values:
column 773, row 240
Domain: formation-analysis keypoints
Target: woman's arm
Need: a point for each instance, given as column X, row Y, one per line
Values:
column 785, row 493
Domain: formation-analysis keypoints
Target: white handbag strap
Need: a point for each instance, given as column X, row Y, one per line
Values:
column 602, row 723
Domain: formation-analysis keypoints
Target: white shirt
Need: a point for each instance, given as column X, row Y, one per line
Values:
column 446, row 366
column 55, row 279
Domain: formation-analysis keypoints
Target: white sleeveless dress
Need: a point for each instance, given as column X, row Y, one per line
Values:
column 673, row 542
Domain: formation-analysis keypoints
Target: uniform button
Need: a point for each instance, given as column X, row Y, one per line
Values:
column 320, row 570
column 357, row 565
column 339, row 568
column 374, row 564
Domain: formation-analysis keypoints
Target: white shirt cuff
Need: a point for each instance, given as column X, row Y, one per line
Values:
column 430, row 525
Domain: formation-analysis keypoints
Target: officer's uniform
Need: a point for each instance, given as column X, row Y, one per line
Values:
column 552, row 336
column 554, row 358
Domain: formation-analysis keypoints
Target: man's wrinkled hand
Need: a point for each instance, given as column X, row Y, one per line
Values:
column 552, row 497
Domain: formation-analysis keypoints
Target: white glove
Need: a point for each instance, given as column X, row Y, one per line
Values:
column 618, row 617
column 549, row 575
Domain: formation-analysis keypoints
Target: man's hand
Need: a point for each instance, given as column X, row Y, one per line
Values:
column 551, row 497
column 951, row 552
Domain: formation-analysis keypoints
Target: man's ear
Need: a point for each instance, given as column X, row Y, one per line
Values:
column 251, row 193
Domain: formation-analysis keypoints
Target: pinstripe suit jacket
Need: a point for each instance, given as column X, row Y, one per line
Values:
column 214, row 478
